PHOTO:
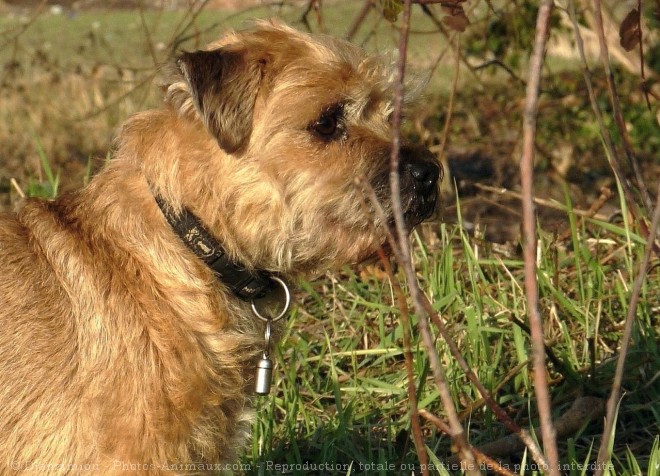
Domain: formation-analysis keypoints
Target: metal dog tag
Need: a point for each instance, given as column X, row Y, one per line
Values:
column 265, row 365
column 264, row 376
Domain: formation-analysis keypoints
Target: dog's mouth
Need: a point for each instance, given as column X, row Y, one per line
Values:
column 419, row 190
column 421, row 207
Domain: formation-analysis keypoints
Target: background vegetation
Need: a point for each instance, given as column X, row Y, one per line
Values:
column 71, row 73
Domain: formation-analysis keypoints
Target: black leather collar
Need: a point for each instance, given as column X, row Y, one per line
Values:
column 247, row 285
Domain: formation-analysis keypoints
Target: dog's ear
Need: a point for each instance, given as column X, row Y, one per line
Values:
column 224, row 85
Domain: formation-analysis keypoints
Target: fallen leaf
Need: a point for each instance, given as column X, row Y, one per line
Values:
column 629, row 33
column 456, row 18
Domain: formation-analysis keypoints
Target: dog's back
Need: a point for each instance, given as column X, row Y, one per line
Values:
column 38, row 360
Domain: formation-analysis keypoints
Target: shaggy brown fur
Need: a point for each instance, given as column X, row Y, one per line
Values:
column 119, row 349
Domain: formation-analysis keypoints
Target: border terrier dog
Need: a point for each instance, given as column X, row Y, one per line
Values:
column 127, row 336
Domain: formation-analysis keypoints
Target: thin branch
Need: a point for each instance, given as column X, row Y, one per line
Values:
column 610, row 151
column 502, row 65
column 316, row 6
column 147, row 35
column 616, row 106
column 529, row 237
column 183, row 26
column 438, row 23
column 540, row 201
column 370, row 198
column 457, row 433
column 582, row 411
column 500, row 414
column 645, row 88
column 407, row 353
column 23, row 27
column 612, row 402
column 359, row 19
column 450, row 106
column 483, row 459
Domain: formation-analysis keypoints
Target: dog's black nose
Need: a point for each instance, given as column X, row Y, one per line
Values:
column 424, row 173
column 422, row 166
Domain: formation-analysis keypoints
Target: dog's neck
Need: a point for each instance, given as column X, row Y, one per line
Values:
column 244, row 284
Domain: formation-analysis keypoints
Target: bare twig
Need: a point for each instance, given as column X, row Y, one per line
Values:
column 359, row 19
column 605, row 195
column 645, row 88
column 540, row 201
column 147, row 35
column 529, row 237
column 315, row 5
column 407, row 353
column 458, row 435
column 502, row 65
column 500, row 414
column 450, row 106
column 119, row 99
column 582, row 411
column 490, row 464
column 616, row 106
column 370, row 196
column 17, row 187
column 428, row 12
column 484, row 460
column 612, row 402
column 23, row 27
column 610, row 151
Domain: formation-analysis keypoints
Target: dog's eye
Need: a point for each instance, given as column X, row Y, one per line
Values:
column 326, row 126
column 329, row 126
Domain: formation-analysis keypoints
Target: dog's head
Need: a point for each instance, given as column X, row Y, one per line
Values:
column 296, row 122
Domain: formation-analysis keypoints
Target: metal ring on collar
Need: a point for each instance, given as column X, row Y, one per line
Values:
column 285, row 309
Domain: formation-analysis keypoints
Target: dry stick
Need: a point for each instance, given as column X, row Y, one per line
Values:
column 316, row 6
column 450, row 106
column 359, row 19
column 418, row 438
column 412, row 390
column 22, row 28
column 605, row 195
column 147, row 35
column 183, row 25
column 616, row 106
column 500, row 414
column 645, row 88
column 529, row 237
column 582, row 411
column 612, row 402
column 485, row 460
column 449, row 38
column 118, row 99
column 17, row 187
column 457, row 433
column 539, row 201
column 610, row 151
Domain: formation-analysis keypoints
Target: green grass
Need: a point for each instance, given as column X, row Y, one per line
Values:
column 340, row 395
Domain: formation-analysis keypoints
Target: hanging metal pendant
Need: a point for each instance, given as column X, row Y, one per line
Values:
column 264, row 376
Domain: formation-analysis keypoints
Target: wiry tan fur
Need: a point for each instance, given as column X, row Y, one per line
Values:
column 117, row 345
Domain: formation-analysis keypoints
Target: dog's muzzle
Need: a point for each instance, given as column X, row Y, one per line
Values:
column 419, row 172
